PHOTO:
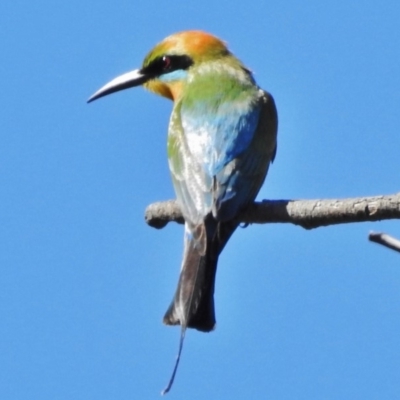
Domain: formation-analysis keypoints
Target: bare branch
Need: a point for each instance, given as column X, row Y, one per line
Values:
column 385, row 240
column 306, row 213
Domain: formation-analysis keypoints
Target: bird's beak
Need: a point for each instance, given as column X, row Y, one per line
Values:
column 125, row 81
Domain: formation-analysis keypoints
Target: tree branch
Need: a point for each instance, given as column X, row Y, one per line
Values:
column 385, row 240
column 308, row 214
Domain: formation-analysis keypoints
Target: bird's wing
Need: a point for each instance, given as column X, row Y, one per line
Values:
column 219, row 154
column 239, row 181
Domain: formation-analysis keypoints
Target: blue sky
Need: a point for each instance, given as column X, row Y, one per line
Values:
column 85, row 283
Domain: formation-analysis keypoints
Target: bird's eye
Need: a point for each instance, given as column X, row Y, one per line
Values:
column 166, row 63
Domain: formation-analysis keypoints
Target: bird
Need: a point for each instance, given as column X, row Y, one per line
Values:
column 222, row 137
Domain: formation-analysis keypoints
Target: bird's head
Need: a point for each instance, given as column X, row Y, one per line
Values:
column 166, row 66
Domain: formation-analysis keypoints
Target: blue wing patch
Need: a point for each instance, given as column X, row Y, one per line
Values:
column 218, row 135
column 224, row 152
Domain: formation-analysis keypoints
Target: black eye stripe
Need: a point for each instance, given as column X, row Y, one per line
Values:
column 167, row 63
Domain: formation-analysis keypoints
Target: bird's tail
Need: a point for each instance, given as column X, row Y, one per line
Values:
column 193, row 303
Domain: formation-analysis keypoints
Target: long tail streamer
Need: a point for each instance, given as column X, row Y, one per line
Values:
column 178, row 357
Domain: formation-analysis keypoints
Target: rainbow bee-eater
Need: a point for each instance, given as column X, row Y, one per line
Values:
column 221, row 140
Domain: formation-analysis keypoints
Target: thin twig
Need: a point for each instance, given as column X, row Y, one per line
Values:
column 385, row 240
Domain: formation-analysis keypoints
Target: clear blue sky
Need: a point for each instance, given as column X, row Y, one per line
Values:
column 84, row 282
